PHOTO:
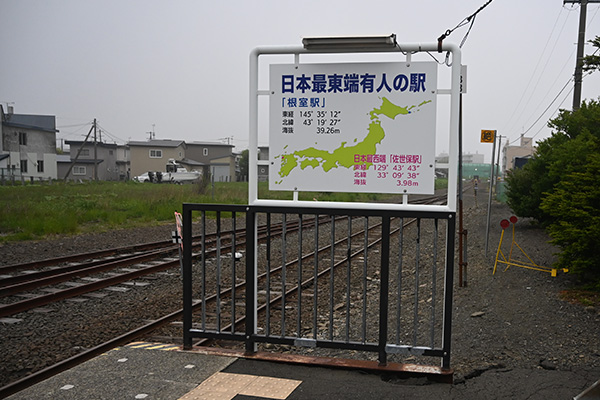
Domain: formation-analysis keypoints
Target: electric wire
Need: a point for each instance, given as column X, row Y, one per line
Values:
column 559, row 93
column 547, row 61
column 110, row 134
column 74, row 125
column 512, row 118
column 469, row 19
column 555, row 111
column 550, row 105
column 65, row 134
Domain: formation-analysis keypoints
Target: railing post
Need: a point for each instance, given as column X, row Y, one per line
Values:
column 448, row 291
column 187, row 276
column 251, row 302
column 384, row 289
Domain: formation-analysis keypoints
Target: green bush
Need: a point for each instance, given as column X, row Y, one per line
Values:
column 559, row 188
column 574, row 206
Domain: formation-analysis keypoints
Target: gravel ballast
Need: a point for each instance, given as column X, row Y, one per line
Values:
column 514, row 319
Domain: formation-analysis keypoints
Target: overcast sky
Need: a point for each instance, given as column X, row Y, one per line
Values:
column 180, row 68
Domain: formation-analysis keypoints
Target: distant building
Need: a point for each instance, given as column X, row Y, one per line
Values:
column 469, row 158
column 153, row 155
column 83, row 165
column 525, row 149
column 473, row 165
column 123, row 163
column 217, row 156
column 27, row 146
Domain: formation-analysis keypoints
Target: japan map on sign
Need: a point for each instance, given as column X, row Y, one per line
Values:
column 353, row 127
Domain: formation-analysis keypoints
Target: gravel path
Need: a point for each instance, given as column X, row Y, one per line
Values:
column 516, row 318
column 512, row 320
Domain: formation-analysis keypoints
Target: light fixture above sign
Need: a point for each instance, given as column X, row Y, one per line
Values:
column 351, row 43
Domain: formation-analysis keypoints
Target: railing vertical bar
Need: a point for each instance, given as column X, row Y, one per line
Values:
column 233, row 280
column 348, row 277
column 283, row 272
column 218, row 271
column 299, row 317
column 434, row 281
column 251, row 271
column 448, row 288
column 316, row 279
column 187, row 276
column 384, row 289
column 364, row 296
column 203, row 294
column 331, row 276
column 417, row 259
column 268, row 288
column 399, row 300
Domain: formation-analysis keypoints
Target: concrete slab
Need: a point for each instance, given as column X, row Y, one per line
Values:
column 128, row 373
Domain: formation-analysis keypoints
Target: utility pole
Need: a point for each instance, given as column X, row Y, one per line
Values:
column 95, row 153
column 79, row 151
column 498, row 164
column 578, row 76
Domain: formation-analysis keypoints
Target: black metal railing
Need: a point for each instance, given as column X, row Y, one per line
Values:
column 365, row 280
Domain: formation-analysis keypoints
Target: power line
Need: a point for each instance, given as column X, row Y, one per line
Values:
column 550, row 105
column 511, row 120
column 554, row 113
column 111, row 135
column 74, row 125
column 71, row 133
column 469, row 19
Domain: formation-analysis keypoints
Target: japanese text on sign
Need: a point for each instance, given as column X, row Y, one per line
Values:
column 353, row 127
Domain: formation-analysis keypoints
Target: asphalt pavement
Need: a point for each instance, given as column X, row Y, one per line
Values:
column 164, row 372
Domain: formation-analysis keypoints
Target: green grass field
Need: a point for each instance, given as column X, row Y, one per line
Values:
column 40, row 211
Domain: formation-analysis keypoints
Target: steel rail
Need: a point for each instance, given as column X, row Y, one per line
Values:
column 42, row 300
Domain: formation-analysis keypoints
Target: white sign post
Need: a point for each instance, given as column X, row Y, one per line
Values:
column 366, row 127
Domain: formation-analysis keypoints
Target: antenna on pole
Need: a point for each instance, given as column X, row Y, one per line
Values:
column 151, row 134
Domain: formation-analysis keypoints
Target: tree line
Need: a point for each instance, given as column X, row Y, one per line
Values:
column 560, row 186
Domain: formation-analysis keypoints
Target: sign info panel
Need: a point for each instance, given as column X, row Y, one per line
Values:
column 353, row 127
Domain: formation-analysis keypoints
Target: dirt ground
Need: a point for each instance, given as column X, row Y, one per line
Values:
column 516, row 318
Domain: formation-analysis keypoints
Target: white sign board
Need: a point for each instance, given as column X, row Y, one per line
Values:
column 353, row 127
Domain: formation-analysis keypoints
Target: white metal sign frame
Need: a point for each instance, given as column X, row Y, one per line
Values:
column 453, row 92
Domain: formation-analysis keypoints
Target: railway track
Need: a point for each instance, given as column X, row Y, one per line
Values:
column 147, row 259
column 165, row 254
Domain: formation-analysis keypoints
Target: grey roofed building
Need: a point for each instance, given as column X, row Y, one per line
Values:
column 85, row 167
column 153, row 155
column 28, row 145
column 46, row 123
column 217, row 156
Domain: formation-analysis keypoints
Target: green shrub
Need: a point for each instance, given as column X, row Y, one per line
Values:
column 574, row 206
